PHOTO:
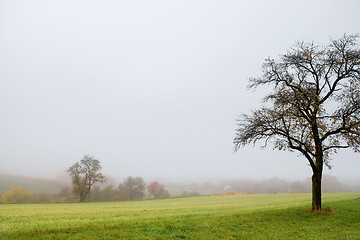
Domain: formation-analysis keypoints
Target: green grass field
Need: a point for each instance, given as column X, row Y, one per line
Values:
column 273, row 216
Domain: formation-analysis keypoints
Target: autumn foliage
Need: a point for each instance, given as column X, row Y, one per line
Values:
column 157, row 190
column 17, row 195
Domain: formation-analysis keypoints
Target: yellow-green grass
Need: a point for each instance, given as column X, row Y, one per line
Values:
column 272, row 216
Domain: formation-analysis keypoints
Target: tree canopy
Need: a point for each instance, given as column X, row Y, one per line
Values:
column 314, row 107
column 84, row 175
column 17, row 195
column 133, row 187
column 157, row 190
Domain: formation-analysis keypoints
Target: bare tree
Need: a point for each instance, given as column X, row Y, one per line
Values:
column 134, row 188
column 84, row 175
column 314, row 107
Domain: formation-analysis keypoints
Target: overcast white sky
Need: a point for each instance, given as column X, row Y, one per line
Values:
column 150, row 88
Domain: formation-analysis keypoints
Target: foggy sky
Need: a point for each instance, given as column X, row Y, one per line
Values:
column 150, row 88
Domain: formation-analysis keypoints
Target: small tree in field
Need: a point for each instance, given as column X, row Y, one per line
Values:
column 84, row 175
column 314, row 107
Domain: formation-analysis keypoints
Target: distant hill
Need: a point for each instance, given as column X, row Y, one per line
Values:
column 33, row 185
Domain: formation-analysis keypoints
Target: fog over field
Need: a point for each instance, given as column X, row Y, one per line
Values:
column 151, row 88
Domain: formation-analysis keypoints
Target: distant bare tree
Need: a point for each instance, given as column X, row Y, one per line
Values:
column 133, row 187
column 84, row 175
column 314, row 108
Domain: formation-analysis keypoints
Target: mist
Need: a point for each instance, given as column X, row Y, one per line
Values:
column 150, row 88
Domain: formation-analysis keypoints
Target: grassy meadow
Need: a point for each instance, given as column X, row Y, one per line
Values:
column 267, row 216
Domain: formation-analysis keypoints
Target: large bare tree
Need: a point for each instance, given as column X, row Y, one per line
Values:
column 84, row 175
column 314, row 107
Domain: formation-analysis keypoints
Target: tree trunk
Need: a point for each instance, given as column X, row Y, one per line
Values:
column 316, row 191
column 317, row 170
column 89, row 192
column 82, row 197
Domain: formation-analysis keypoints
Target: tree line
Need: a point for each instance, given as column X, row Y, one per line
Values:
column 132, row 188
column 85, row 174
column 178, row 189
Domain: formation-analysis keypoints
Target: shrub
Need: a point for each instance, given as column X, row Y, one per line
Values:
column 17, row 195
